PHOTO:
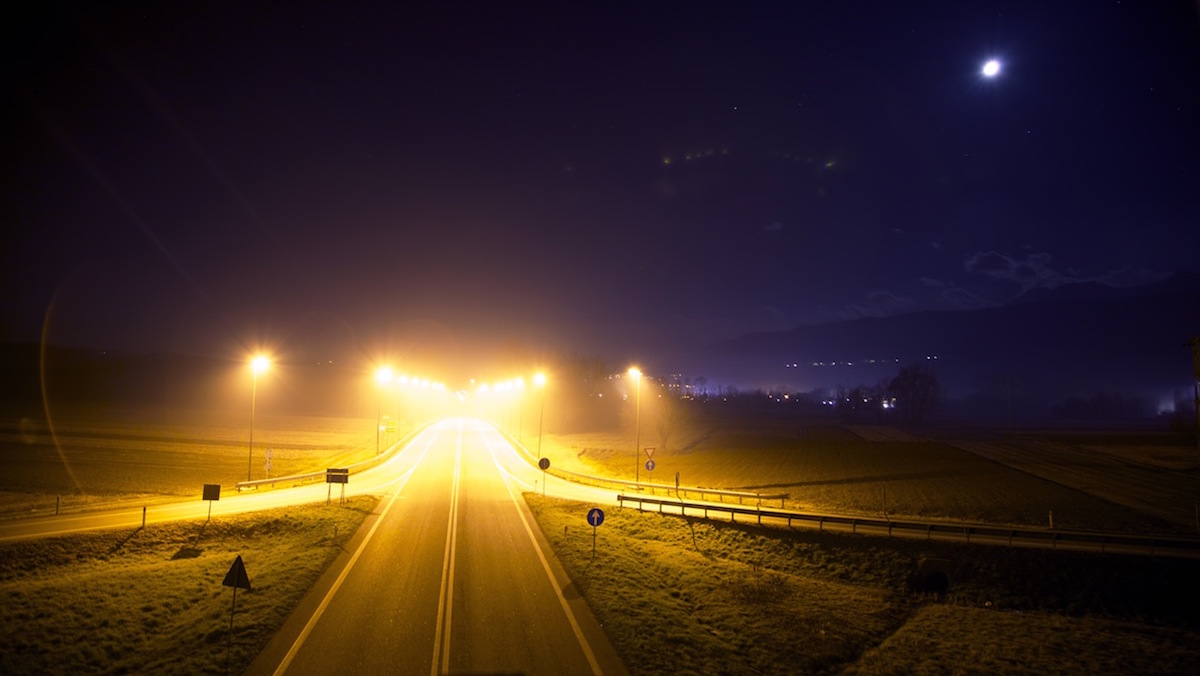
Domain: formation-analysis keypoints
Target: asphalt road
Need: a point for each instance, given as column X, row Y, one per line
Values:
column 451, row 576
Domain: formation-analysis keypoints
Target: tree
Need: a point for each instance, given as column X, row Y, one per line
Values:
column 916, row 390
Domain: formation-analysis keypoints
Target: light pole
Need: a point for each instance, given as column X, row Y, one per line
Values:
column 637, row 434
column 257, row 365
column 540, row 381
column 383, row 376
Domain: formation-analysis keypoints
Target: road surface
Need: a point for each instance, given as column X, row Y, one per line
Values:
column 451, row 577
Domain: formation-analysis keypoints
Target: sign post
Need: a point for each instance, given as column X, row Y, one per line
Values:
column 212, row 493
column 595, row 517
column 336, row 475
column 650, row 465
column 544, row 463
column 236, row 577
column 268, row 463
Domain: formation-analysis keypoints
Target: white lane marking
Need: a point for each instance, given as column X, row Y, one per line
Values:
column 562, row 599
column 441, row 639
column 312, row 621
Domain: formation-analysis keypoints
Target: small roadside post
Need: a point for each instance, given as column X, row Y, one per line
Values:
column 212, row 493
column 337, row 475
column 268, row 465
column 544, row 463
column 595, row 517
column 236, row 577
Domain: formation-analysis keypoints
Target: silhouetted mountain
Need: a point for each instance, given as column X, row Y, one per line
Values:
column 1045, row 346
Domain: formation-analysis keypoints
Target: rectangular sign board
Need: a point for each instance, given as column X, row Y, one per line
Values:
column 335, row 475
column 212, row 491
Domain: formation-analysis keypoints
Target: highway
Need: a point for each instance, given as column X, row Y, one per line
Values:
column 449, row 575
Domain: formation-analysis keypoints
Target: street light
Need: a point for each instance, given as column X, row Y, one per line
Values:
column 637, row 435
column 540, row 381
column 257, row 365
column 383, row 376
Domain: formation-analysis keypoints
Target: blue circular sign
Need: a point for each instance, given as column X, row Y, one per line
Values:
column 650, row 465
column 595, row 516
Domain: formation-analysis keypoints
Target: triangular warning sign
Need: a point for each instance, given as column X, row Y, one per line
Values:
column 236, row 577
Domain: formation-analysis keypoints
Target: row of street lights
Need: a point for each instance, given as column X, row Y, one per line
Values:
column 384, row 376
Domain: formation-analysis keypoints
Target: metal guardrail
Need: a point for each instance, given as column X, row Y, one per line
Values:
column 1120, row 543
column 298, row 479
column 608, row 482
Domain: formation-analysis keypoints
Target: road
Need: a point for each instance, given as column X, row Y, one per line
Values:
column 452, row 577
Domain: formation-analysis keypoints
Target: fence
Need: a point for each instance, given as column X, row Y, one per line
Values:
column 1122, row 543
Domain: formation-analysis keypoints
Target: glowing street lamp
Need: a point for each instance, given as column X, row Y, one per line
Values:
column 383, row 376
column 258, row 365
column 540, row 381
column 637, row 434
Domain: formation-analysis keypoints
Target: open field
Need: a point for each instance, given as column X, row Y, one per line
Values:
column 1126, row 484
column 688, row 596
column 151, row 600
column 675, row 595
column 98, row 455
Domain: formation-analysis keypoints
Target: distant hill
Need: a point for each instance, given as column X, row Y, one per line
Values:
column 1074, row 340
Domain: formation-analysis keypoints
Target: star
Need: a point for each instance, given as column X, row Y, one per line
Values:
column 991, row 68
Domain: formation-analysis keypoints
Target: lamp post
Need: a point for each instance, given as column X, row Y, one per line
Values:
column 383, row 376
column 637, row 434
column 540, row 381
column 257, row 365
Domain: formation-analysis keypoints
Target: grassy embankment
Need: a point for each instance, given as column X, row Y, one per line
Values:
column 831, row 469
column 686, row 596
column 101, row 455
column 151, row 600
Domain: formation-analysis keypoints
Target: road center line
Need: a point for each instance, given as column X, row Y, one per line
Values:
column 562, row 599
column 441, row 640
column 312, row 621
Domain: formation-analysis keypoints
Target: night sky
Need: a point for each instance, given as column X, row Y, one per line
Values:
column 346, row 180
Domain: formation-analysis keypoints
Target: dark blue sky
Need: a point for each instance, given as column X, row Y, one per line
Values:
column 620, row 180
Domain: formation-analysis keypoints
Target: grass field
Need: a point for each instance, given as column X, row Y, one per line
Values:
column 91, row 455
column 831, row 468
column 675, row 595
column 686, row 596
column 151, row 600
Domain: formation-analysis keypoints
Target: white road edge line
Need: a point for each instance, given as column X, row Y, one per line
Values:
column 562, row 599
column 441, row 639
column 312, row 621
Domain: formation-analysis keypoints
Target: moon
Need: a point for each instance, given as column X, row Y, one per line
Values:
column 991, row 68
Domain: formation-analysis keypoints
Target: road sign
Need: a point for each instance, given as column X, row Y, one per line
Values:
column 337, row 475
column 650, row 451
column 211, row 492
column 595, row 517
column 236, row 577
column 544, row 463
column 650, row 465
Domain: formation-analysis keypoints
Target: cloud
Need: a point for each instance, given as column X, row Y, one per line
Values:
column 1033, row 271
column 955, row 298
column 878, row 304
column 1131, row 277
column 930, row 282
